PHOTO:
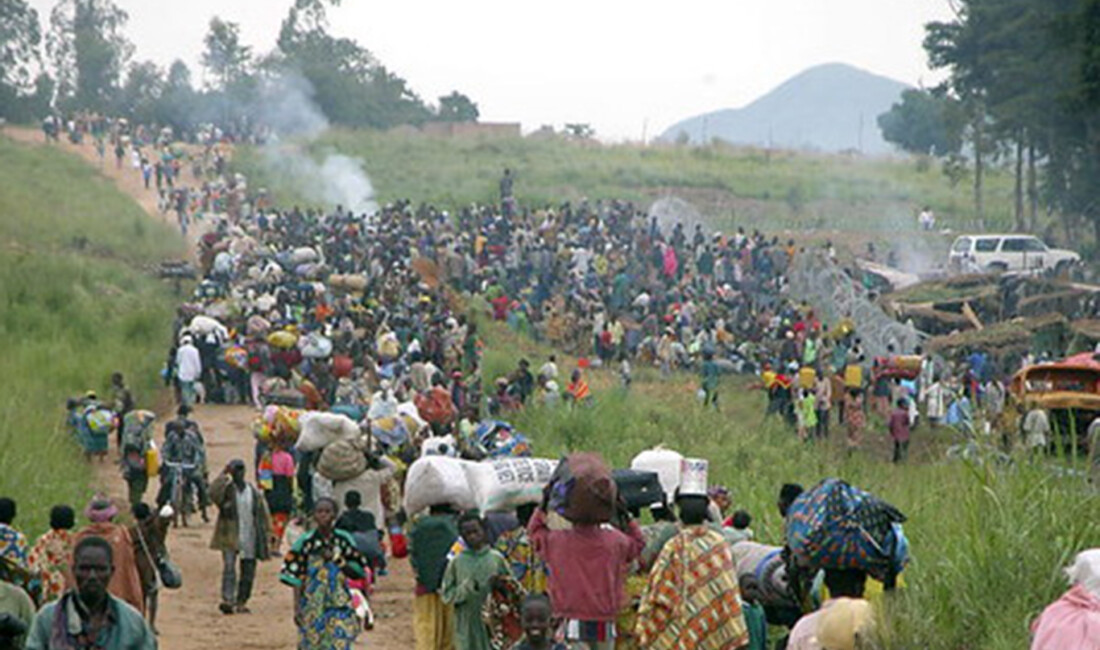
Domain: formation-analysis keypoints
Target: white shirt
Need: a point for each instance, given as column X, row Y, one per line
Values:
column 246, row 524
column 188, row 363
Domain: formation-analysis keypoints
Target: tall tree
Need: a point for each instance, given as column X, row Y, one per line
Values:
column 20, row 37
column 89, row 52
column 225, row 56
column 457, row 107
column 922, row 123
column 141, row 94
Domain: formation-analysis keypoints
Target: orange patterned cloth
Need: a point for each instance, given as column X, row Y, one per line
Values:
column 692, row 601
column 50, row 558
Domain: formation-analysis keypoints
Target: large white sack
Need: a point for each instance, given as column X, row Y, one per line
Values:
column 203, row 325
column 303, row 255
column 320, row 429
column 409, row 409
column 315, row 346
column 369, row 486
column 663, row 461
column 506, row 483
column 437, row 480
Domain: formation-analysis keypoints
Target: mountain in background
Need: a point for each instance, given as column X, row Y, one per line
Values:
column 831, row 107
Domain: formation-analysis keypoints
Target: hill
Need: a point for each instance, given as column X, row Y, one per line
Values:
column 831, row 108
column 78, row 305
column 730, row 186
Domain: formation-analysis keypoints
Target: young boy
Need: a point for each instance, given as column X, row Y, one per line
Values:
column 740, row 522
column 535, row 618
column 468, row 580
column 899, row 430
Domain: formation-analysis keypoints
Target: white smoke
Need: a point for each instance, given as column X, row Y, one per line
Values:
column 286, row 105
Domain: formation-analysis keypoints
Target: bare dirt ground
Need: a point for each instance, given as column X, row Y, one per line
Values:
column 189, row 618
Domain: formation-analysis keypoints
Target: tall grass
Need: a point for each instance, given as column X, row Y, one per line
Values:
column 76, row 304
column 988, row 538
column 734, row 186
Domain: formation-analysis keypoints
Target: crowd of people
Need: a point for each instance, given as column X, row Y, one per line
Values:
column 375, row 318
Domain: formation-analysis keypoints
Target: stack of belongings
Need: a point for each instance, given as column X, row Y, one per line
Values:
column 498, row 485
column 278, row 426
column 762, row 576
column 837, row 526
column 496, row 439
column 666, row 463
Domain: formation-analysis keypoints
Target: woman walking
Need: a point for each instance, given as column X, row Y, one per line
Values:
column 52, row 552
column 318, row 566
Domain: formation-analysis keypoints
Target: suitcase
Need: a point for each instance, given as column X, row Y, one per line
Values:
column 638, row 488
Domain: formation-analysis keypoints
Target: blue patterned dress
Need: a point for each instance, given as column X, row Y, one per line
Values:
column 329, row 621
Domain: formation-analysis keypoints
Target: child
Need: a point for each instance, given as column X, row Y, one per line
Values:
column 709, row 385
column 899, row 430
column 806, row 410
column 854, row 418
column 535, row 617
column 740, row 521
column 468, row 580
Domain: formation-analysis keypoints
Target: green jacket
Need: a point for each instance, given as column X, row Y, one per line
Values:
column 430, row 540
column 128, row 630
column 224, row 496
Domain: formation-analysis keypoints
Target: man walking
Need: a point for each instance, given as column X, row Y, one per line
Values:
column 242, row 533
column 89, row 616
column 188, row 370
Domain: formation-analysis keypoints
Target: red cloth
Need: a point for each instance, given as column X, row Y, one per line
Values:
column 899, row 425
column 436, row 405
column 588, row 566
column 1072, row 621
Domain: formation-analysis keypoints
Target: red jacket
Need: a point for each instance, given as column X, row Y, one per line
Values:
column 588, row 566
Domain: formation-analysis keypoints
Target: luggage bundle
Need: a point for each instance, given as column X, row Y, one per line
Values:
column 343, row 460
column 506, row 483
column 666, row 463
column 639, row 488
column 278, row 426
column 322, row 429
column 837, row 526
column 496, row 439
column 582, row 490
column 437, row 480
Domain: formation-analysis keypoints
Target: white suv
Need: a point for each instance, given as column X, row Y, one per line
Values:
column 1001, row 253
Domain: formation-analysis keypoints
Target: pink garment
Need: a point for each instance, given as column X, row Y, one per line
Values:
column 1070, row 623
column 588, row 566
column 282, row 463
column 670, row 262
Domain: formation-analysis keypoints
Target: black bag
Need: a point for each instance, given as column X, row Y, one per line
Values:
column 637, row 488
column 170, row 575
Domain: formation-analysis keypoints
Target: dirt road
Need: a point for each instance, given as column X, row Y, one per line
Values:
column 189, row 618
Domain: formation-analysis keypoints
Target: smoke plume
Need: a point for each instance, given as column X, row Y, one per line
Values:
column 286, row 105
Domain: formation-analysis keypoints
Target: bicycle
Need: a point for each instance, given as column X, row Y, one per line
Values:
column 181, row 491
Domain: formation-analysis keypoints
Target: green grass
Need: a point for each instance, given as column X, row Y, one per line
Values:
column 732, row 186
column 988, row 541
column 71, row 313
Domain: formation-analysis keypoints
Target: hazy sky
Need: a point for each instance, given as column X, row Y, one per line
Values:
column 622, row 66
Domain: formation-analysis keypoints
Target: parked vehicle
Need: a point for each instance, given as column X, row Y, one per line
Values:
column 1008, row 253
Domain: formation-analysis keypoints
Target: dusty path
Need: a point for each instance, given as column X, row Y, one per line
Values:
column 189, row 618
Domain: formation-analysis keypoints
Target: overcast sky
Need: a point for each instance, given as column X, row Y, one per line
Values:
column 621, row 66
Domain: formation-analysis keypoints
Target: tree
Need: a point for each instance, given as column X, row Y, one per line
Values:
column 141, row 94
column 457, row 107
column 922, row 123
column 580, row 131
column 349, row 85
column 89, row 52
column 178, row 104
column 20, row 37
column 225, row 57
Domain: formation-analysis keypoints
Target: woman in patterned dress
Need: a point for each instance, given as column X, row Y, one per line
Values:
column 317, row 566
column 51, row 553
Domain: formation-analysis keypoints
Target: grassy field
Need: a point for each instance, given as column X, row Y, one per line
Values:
column 75, row 305
column 988, row 539
column 748, row 187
